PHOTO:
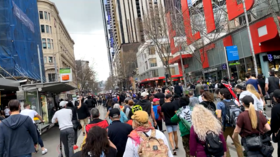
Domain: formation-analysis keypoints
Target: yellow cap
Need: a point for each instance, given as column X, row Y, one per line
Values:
column 140, row 116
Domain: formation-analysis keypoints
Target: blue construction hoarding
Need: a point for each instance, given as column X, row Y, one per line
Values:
column 19, row 37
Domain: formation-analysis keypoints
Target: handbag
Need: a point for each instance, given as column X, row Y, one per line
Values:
column 254, row 142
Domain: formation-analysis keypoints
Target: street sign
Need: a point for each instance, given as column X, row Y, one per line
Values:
column 232, row 53
column 65, row 74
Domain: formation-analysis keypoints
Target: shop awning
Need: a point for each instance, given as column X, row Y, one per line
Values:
column 56, row 87
column 153, row 79
column 174, row 76
column 8, row 85
column 177, row 58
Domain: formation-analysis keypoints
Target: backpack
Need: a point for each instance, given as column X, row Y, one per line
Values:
column 155, row 109
column 213, row 145
column 150, row 146
column 232, row 112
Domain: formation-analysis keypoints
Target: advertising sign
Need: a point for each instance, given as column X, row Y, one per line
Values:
column 65, row 74
column 232, row 53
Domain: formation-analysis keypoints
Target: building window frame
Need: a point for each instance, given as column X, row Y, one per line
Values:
column 44, row 43
column 47, row 29
column 49, row 43
column 41, row 15
column 50, row 59
column 51, row 77
column 46, row 15
column 43, row 30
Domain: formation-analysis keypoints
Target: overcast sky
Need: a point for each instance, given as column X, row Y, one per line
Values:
column 83, row 20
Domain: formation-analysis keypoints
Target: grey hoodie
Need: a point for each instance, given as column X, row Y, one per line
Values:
column 17, row 136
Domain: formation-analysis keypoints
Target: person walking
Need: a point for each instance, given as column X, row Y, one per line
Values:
column 250, row 88
column 251, row 79
column 178, row 90
column 193, row 99
column 208, row 101
column 200, row 129
column 123, row 117
column 225, row 96
column 75, row 121
column 7, row 112
column 18, row 136
column 31, row 113
column 83, row 114
column 250, row 123
column 168, row 110
column 160, row 96
column 182, row 116
column 147, row 106
column 141, row 126
column 158, row 113
column 118, row 132
column 64, row 119
column 275, row 118
column 271, row 84
column 97, row 144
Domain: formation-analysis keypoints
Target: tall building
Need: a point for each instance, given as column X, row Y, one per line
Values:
column 123, row 31
column 19, row 36
column 57, row 44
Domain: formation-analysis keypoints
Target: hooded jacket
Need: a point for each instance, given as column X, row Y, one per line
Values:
column 146, row 105
column 17, row 136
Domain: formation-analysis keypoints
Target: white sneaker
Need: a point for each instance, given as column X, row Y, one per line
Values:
column 44, row 151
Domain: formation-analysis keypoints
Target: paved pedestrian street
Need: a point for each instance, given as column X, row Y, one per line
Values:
column 51, row 140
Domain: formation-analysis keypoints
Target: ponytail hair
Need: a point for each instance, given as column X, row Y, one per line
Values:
column 253, row 116
column 248, row 102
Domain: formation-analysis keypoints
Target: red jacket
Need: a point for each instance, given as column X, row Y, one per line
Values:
column 97, row 122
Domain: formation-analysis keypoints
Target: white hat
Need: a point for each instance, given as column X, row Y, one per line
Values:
column 144, row 94
column 63, row 103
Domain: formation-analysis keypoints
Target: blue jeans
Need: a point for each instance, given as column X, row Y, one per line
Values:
column 27, row 155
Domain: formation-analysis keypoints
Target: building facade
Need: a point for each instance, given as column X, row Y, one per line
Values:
column 20, row 36
column 57, row 44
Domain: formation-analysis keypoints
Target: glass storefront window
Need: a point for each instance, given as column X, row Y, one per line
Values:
column 31, row 98
column 45, row 114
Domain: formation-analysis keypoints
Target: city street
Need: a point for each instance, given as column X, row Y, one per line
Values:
column 51, row 140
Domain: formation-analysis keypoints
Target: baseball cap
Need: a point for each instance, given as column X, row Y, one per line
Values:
column 144, row 94
column 114, row 113
column 140, row 116
column 156, row 99
column 276, row 93
column 63, row 103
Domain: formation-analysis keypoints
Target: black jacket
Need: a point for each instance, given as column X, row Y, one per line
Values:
column 161, row 97
column 178, row 90
column 146, row 105
column 118, row 133
column 17, row 136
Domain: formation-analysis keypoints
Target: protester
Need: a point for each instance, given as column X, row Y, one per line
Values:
column 183, row 116
column 147, row 106
column 201, row 127
column 83, row 114
column 95, row 120
column 97, row 144
column 251, row 79
column 250, row 123
column 18, row 136
column 242, row 91
column 157, row 112
column 160, row 96
column 7, row 112
column 64, row 119
column 208, row 101
column 118, row 132
column 123, row 117
column 250, row 88
column 31, row 113
column 193, row 99
column 127, row 108
column 198, row 88
column 168, row 110
column 262, row 84
column 178, row 90
column 222, row 111
column 142, row 129
column 275, row 119
column 271, row 84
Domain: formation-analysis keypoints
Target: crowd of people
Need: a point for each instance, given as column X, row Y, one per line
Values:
column 205, row 119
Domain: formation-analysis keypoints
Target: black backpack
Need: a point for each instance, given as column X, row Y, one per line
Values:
column 213, row 145
column 209, row 107
column 232, row 112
